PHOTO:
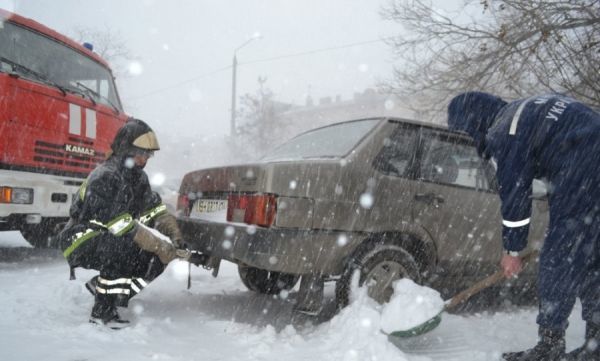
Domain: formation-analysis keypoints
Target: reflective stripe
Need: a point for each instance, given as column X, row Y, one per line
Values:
column 149, row 215
column 124, row 291
column 98, row 223
column 119, row 225
column 494, row 163
column 82, row 189
column 80, row 238
column 138, row 284
column 516, row 224
column 125, row 281
column 517, row 116
column 135, row 288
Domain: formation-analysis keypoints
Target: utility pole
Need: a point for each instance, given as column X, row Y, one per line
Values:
column 232, row 131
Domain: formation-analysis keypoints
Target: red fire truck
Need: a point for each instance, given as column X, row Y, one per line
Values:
column 59, row 111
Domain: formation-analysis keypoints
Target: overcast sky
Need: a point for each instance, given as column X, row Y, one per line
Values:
column 185, row 50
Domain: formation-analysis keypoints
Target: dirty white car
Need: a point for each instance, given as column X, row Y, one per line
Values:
column 390, row 197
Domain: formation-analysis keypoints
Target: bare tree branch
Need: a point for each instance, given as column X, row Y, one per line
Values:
column 108, row 44
column 513, row 48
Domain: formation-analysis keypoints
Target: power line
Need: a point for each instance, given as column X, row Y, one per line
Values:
column 275, row 58
column 160, row 90
column 315, row 51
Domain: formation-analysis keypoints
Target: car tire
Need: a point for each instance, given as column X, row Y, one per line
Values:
column 266, row 282
column 379, row 267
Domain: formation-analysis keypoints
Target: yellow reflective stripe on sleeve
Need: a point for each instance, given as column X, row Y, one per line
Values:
column 80, row 238
column 118, row 226
column 149, row 215
column 121, row 225
column 82, row 189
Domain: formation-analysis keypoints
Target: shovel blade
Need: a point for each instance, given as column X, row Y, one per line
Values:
column 419, row 329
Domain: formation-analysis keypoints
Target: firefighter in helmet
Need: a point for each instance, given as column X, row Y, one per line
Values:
column 110, row 223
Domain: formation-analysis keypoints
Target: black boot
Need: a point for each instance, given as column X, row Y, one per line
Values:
column 550, row 347
column 105, row 312
column 590, row 350
column 91, row 285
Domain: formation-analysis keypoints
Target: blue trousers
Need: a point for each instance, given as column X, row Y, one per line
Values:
column 570, row 267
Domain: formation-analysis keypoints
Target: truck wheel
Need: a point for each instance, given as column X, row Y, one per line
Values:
column 266, row 282
column 378, row 268
column 41, row 235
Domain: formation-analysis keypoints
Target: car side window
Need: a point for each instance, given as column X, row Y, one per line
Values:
column 452, row 161
column 397, row 154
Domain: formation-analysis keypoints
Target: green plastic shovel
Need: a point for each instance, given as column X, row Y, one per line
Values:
column 458, row 299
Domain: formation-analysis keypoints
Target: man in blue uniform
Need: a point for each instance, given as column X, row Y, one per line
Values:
column 555, row 138
column 110, row 226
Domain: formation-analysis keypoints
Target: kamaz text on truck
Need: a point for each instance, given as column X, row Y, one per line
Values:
column 59, row 111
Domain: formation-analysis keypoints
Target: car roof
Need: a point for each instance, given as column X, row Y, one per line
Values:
column 388, row 119
column 417, row 122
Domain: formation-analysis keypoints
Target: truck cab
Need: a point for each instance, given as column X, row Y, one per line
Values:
column 59, row 111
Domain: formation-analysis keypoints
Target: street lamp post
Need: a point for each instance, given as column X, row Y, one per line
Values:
column 234, row 81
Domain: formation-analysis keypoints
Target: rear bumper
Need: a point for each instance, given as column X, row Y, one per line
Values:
column 275, row 249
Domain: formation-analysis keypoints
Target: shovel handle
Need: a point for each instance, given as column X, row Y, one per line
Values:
column 485, row 283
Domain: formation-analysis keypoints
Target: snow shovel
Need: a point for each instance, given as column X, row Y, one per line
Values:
column 460, row 298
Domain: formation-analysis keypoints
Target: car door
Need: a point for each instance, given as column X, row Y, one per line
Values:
column 456, row 202
column 395, row 179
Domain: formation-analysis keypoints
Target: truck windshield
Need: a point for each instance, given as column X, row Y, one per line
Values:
column 334, row 141
column 39, row 58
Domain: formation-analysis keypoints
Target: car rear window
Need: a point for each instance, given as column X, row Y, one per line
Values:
column 334, row 141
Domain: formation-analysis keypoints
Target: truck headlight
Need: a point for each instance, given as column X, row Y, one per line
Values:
column 16, row 195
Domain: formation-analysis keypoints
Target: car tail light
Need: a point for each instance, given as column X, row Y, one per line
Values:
column 183, row 205
column 258, row 209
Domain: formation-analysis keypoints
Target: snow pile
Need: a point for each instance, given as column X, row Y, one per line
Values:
column 352, row 335
column 355, row 333
column 410, row 306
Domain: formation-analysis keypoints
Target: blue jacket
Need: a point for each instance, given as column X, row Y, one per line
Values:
column 551, row 137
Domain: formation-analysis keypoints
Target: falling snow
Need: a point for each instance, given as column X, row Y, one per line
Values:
column 366, row 200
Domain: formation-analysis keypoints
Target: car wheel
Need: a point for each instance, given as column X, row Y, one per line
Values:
column 378, row 269
column 263, row 281
column 41, row 235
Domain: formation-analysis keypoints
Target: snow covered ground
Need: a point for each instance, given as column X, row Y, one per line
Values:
column 43, row 316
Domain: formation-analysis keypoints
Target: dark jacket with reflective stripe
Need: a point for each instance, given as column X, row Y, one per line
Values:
column 551, row 137
column 113, row 189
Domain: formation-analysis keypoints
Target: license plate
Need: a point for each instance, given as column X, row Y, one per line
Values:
column 210, row 205
column 210, row 209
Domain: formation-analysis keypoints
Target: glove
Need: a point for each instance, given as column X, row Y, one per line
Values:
column 194, row 257
column 151, row 242
column 167, row 225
